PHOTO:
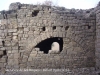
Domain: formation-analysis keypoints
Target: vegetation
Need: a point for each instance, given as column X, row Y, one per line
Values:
column 46, row 2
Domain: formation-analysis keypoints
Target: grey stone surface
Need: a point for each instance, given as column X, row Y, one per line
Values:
column 25, row 28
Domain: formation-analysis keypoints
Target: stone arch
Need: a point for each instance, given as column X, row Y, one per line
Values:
column 47, row 44
column 46, row 35
column 43, row 36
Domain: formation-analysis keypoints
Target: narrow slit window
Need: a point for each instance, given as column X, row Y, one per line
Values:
column 66, row 28
column 3, row 43
column 4, row 52
column 89, row 27
column 54, row 27
column 43, row 29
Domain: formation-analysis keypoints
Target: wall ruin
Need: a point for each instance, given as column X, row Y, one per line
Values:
column 28, row 31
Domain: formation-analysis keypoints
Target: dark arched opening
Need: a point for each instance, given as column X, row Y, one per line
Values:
column 45, row 45
column 35, row 13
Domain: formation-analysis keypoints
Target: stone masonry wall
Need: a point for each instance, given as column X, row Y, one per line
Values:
column 24, row 27
column 97, row 44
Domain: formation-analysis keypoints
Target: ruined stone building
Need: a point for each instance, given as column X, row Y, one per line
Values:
column 41, row 36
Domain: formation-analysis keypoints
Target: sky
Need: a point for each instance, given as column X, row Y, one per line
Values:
column 77, row 4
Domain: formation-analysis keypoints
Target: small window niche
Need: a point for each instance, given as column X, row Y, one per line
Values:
column 54, row 28
column 35, row 13
column 89, row 27
column 43, row 29
column 66, row 28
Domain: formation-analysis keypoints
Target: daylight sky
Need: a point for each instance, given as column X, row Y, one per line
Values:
column 78, row 4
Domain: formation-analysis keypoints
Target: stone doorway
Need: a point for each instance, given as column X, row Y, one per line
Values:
column 51, row 44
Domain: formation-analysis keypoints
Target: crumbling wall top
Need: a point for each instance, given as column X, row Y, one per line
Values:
column 17, row 8
column 14, row 6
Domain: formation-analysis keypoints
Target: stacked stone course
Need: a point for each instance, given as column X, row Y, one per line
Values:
column 24, row 26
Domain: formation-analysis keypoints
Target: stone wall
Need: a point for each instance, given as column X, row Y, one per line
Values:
column 97, row 44
column 26, row 26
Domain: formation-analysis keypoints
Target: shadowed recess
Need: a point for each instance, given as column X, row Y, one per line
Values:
column 45, row 45
column 35, row 13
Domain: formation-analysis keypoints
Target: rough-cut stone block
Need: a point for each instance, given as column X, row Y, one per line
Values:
column 12, row 30
column 1, row 52
column 16, row 62
column 3, row 60
column 60, row 34
column 26, row 29
column 16, row 55
column 15, row 33
column 9, row 51
column 10, row 56
column 40, row 52
column 3, row 48
column 34, row 52
column 37, row 49
column 10, row 62
column 30, row 58
column 33, row 55
column 1, row 16
column 53, row 51
column 1, row 65
column 14, row 51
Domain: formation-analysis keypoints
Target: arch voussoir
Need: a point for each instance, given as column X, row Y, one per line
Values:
column 46, row 35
